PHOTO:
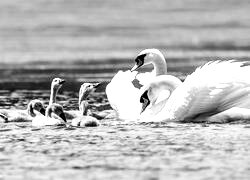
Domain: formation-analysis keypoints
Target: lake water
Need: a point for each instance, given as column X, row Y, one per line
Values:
column 89, row 41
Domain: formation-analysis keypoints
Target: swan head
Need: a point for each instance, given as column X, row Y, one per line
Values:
column 57, row 83
column 56, row 109
column 147, row 56
column 35, row 105
column 150, row 93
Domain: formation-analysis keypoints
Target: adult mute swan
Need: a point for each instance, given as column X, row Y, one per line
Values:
column 218, row 92
column 54, row 116
column 123, row 94
column 84, row 118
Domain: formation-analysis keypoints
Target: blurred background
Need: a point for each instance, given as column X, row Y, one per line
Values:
column 89, row 40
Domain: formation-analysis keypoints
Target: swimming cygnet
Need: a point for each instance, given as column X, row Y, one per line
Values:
column 34, row 108
column 85, row 119
column 54, row 116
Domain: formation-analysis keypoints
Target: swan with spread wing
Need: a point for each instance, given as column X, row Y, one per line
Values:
column 219, row 92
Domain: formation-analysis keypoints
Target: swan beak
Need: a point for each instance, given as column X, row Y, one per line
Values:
column 42, row 111
column 62, row 116
column 62, row 81
column 145, row 101
column 134, row 68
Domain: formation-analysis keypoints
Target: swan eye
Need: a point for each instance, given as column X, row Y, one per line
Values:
column 140, row 60
column 144, row 97
column 145, row 101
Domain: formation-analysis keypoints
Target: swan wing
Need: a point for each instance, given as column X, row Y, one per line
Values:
column 212, row 88
column 123, row 96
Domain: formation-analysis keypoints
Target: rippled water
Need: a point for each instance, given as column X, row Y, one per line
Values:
column 117, row 149
column 88, row 41
column 124, row 151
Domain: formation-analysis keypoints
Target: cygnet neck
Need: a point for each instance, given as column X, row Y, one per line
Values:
column 53, row 94
column 48, row 111
column 83, row 108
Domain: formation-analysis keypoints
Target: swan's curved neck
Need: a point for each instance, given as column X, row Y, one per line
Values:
column 53, row 94
column 160, row 65
column 166, row 82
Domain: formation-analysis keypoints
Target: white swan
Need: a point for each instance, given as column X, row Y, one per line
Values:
column 219, row 91
column 124, row 94
column 84, row 119
column 54, row 116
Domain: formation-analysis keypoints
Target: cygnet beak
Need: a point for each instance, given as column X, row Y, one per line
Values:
column 62, row 116
column 62, row 81
column 97, row 85
column 42, row 111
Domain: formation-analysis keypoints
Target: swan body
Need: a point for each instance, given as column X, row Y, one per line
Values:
column 84, row 119
column 123, row 96
column 123, row 93
column 54, row 116
column 219, row 91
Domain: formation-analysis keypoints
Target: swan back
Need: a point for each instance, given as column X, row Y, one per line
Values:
column 212, row 88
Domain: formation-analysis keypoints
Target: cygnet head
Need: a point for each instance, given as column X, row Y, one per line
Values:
column 35, row 105
column 150, row 56
column 57, row 83
column 56, row 109
column 86, row 89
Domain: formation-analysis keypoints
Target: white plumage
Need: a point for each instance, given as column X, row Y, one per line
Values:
column 123, row 94
column 218, row 91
